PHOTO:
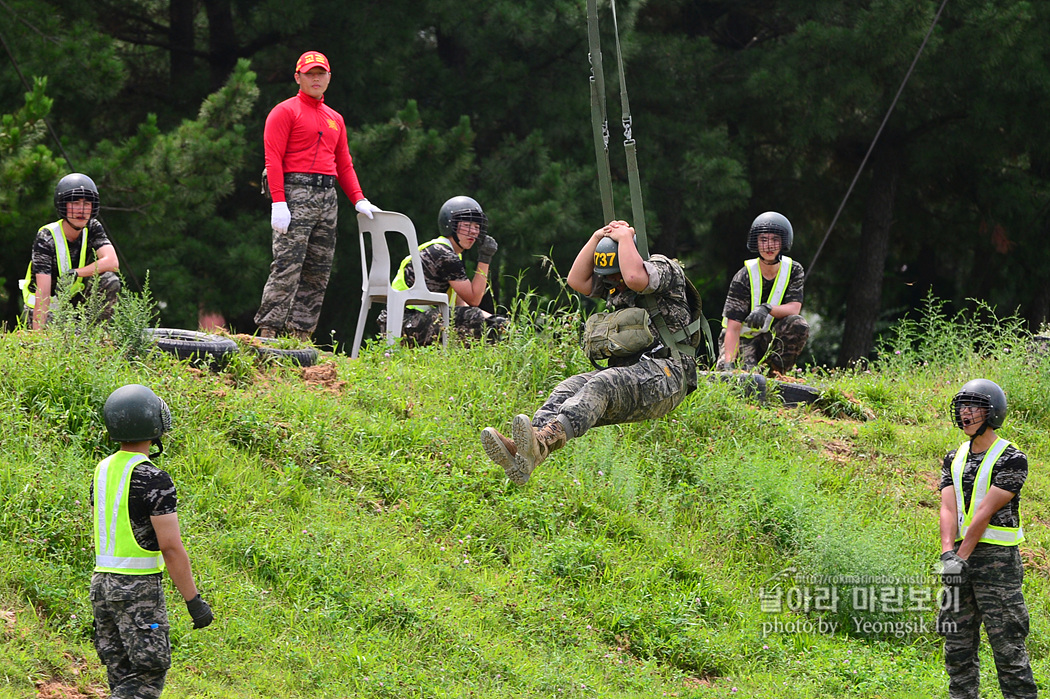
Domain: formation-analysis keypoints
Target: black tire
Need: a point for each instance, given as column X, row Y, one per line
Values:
column 752, row 385
column 198, row 347
column 305, row 356
column 792, row 394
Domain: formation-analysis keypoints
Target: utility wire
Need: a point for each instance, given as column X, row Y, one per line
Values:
column 875, row 140
column 29, row 88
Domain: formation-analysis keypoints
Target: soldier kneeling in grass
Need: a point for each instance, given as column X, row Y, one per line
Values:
column 647, row 381
column 136, row 537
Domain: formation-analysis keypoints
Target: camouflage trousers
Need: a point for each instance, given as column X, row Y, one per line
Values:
column 302, row 261
column 648, row 389
column 471, row 324
column 992, row 595
column 784, row 342
column 106, row 284
column 131, row 633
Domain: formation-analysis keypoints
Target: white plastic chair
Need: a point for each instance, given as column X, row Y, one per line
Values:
column 376, row 278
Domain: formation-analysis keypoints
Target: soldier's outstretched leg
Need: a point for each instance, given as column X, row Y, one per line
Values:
column 501, row 450
column 533, row 446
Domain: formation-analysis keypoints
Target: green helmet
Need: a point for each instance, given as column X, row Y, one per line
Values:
column 134, row 413
column 607, row 257
column 981, row 393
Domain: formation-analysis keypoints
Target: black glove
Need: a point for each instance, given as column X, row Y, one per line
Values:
column 757, row 317
column 953, row 569
column 71, row 273
column 200, row 612
column 724, row 365
column 487, row 247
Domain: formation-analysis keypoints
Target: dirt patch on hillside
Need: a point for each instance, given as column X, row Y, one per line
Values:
column 324, row 376
column 1036, row 558
column 838, row 451
column 58, row 690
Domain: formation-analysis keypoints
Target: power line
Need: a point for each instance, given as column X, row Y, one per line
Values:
column 29, row 88
column 875, row 140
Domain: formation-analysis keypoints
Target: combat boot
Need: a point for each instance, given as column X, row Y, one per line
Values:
column 268, row 333
column 533, row 446
column 501, row 450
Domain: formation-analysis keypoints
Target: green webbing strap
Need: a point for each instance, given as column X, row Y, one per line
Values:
column 599, row 118
column 712, row 350
column 698, row 324
column 661, row 326
column 637, row 210
column 600, row 127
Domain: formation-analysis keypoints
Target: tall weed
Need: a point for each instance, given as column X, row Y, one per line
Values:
column 132, row 316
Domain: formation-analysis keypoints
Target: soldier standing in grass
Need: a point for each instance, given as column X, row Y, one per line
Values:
column 60, row 251
column 980, row 530
column 306, row 154
column 753, row 327
column 649, row 383
column 462, row 223
column 136, row 533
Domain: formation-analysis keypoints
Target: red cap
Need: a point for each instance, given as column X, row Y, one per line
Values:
column 311, row 59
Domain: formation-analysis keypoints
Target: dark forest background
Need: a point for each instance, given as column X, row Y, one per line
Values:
column 740, row 107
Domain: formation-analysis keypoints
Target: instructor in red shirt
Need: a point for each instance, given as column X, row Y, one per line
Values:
column 306, row 154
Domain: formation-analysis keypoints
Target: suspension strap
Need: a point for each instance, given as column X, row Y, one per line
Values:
column 600, row 127
column 599, row 117
column 675, row 342
column 637, row 210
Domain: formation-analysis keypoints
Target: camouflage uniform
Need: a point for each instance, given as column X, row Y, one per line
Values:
column 991, row 594
column 131, row 619
column 302, row 259
column 632, row 389
column 441, row 266
column 131, row 633
column 787, row 337
column 421, row 329
column 45, row 261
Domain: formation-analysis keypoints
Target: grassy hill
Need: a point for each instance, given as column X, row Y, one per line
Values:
column 354, row 541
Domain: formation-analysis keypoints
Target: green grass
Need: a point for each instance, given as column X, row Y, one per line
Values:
column 354, row 541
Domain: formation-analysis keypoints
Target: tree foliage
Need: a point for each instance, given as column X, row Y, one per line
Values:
column 738, row 108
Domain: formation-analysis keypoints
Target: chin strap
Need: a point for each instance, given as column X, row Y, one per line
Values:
column 160, row 447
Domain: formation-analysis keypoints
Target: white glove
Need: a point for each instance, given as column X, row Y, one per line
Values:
column 367, row 208
column 280, row 216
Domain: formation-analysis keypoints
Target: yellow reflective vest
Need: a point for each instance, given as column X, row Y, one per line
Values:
column 116, row 550
column 1002, row 536
column 776, row 294
column 62, row 256
column 399, row 281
